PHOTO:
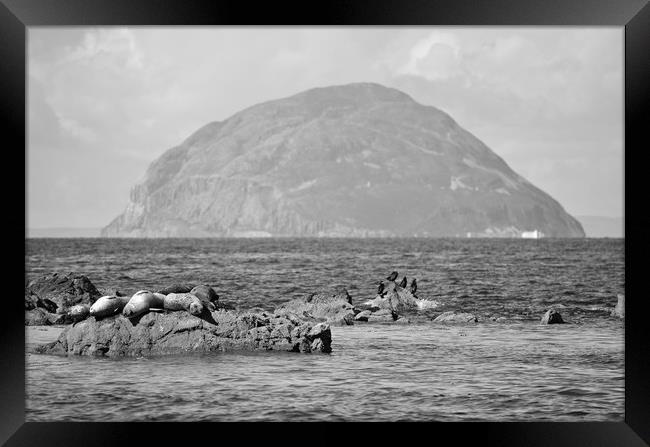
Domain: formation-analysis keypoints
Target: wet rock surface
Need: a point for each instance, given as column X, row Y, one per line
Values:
column 395, row 298
column 179, row 332
column 331, row 306
column 456, row 317
column 56, row 294
column 552, row 316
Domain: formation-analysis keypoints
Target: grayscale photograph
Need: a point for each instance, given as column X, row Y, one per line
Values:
column 321, row 223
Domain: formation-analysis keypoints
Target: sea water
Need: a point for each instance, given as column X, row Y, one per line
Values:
column 511, row 370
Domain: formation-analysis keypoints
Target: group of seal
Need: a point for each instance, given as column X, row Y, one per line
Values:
column 392, row 277
column 192, row 300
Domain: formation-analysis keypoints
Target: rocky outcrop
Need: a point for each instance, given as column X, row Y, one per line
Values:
column 56, row 294
column 395, row 298
column 179, row 332
column 63, row 290
column 552, row 316
column 456, row 317
column 41, row 317
column 330, row 306
column 350, row 160
column 619, row 310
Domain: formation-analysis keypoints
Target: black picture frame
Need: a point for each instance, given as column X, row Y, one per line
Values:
column 634, row 15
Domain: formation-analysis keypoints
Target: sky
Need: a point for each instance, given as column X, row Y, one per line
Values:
column 103, row 103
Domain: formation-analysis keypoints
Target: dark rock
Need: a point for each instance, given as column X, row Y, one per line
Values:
column 58, row 293
column 180, row 332
column 30, row 301
column 619, row 310
column 334, row 307
column 552, row 316
column 176, row 288
column 456, row 317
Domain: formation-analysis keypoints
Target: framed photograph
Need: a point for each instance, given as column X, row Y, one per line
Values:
column 401, row 212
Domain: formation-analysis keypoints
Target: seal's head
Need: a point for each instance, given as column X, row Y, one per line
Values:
column 196, row 308
column 128, row 311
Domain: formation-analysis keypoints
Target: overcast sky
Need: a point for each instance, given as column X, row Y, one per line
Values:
column 103, row 103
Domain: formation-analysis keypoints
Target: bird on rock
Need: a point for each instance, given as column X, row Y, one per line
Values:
column 414, row 286
column 403, row 283
column 392, row 277
column 380, row 289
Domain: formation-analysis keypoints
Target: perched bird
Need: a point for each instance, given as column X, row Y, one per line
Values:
column 380, row 289
column 393, row 276
column 414, row 286
column 403, row 283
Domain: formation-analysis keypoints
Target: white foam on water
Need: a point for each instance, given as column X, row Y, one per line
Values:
column 426, row 304
column 421, row 303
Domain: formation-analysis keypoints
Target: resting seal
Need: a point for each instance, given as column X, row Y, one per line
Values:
column 176, row 288
column 141, row 302
column 208, row 297
column 108, row 305
column 183, row 301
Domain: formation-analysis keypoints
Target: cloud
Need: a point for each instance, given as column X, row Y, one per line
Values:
column 436, row 57
column 105, row 102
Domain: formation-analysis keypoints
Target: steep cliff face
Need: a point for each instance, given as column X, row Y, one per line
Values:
column 351, row 160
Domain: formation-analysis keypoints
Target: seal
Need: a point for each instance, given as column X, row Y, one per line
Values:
column 79, row 312
column 176, row 288
column 183, row 301
column 108, row 305
column 141, row 302
column 208, row 297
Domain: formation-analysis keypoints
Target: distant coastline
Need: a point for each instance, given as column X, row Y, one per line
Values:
column 63, row 232
column 594, row 226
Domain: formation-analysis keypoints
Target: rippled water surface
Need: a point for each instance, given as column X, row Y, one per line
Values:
column 511, row 370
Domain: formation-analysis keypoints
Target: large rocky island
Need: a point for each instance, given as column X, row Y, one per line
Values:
column 353, row 160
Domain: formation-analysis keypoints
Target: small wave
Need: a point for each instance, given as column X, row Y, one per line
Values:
column 427, row 304
column 421, row 303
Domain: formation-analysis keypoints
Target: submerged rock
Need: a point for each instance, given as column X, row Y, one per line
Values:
column 180, row 332
column 619, row 310
column 552, row 316
column 382, row 315
column 456, row 317
column 331, row 306
column 59, row 293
